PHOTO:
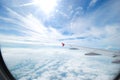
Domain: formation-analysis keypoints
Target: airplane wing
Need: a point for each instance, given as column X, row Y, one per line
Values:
column 98, row 52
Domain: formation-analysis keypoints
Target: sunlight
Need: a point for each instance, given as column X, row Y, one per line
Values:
column 47, row 6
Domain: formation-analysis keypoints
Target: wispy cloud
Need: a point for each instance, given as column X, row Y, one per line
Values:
column 32, row 28
column 92, row 3
column 95, row 29
column 100, row 27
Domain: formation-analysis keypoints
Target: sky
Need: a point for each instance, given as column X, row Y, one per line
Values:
column 34, row 23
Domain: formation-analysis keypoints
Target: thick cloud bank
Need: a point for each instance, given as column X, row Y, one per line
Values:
column 60, row 64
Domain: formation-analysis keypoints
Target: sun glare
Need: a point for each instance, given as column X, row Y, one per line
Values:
column 46, row 6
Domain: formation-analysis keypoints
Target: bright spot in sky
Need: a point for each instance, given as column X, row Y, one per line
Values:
column 46, row 6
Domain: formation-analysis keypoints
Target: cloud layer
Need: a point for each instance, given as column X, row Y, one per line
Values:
column 59, row 64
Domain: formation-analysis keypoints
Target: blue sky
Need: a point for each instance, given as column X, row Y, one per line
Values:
column 89, row 23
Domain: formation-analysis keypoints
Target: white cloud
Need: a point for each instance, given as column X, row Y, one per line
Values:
column 92, row 3
column 98, row 37
column 32, row 28
column 107, row 13
column 79, row 25
column 6, row 19
column 63, row 64
column 96, row 27
column 101, row 28
column 63, row 14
